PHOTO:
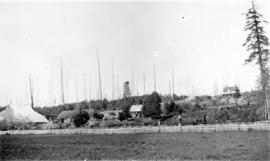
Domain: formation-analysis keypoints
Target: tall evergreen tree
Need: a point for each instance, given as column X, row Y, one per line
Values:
column 256, row 43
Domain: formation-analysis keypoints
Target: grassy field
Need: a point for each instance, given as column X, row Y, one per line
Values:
column 251, row 145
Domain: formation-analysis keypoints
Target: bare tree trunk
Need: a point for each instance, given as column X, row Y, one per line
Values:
column 113, row 90
column 62, row 84
column 31, row 91
column 143, row 83
column 99, row 77
column 155, row 88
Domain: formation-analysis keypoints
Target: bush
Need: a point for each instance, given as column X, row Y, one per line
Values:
column 81, row 118
column 151, row 106
column 170, row 107
column 123, row 116
column 185, row 107
column 4, row 125
column 98, row 116
column 170, row 120
column 248, row 115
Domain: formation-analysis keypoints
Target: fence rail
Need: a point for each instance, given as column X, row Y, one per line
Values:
column 149, row 129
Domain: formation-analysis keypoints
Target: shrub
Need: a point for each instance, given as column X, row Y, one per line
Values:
column 123, row 116
column 170, row 120
column 248, row 115
column 98, row 115
column 223, row 115
column 81, row 118
column 4, row 125
column 170, row 107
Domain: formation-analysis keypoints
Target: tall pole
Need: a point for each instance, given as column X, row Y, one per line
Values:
column 118, row 87
column 77, row 97
column 137, row 87
column 62, row 84
column 31, row 91
column 187, row 85
column 170, row 92
column 113, row 81
column 90, row 94
column 66, row 87
column 155, row 89
column 53, row 92
column 84, row 88
column 99, row 77
column 132, row 91
column 143, row 83
column 172, row 81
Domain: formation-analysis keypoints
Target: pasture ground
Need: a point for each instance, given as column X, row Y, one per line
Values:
column 234, row 145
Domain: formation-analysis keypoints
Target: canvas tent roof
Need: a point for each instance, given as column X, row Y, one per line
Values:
column 136, row 108
column 16, row 113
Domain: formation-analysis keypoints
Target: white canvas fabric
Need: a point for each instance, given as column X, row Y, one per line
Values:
column 15, row 113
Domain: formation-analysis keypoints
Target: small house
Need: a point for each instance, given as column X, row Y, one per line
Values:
column 111, row 114
column 231, row 91
column 136, row 111
column 67, row 116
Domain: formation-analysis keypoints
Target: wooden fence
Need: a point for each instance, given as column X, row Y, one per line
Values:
column 149, row 129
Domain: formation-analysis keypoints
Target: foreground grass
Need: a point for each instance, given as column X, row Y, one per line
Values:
column 251, row 145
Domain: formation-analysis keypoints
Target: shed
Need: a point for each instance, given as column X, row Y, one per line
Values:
column 111, row 114
column 230, row 91
column 136, row 110
column 68, row 116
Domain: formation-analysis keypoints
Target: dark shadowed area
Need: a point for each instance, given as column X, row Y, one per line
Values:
column 251, row 145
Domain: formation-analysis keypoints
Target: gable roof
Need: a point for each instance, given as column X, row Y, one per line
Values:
column 136, row 108
column 70, row 114
column 67, row 114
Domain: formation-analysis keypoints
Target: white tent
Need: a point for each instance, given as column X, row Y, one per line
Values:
column 15, row 113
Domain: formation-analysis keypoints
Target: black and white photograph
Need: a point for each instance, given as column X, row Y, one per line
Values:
column 135, row 80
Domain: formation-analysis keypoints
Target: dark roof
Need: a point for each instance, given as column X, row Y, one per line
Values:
column 67, row 114
column 70, row 114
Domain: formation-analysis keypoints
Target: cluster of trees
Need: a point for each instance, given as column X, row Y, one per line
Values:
column 101, row 105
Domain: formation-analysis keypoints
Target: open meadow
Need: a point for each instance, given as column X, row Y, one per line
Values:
column 235, row 145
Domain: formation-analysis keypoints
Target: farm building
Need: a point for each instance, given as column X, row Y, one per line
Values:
column 21, row 114
column 136, row 111
column 68, row 116
column 111, row 114
column 231, row 91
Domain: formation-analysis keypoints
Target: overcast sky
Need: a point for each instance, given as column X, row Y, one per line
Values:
column 201, row 40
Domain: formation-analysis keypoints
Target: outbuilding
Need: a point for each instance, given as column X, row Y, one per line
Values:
column 111, row 114
column 68, row 116
column 136, row 111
